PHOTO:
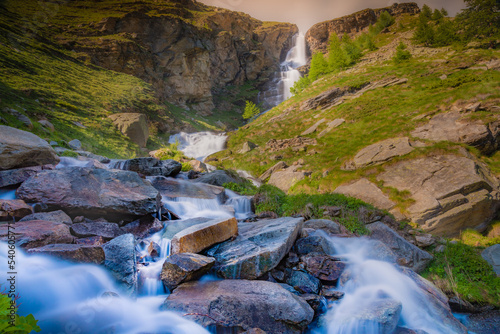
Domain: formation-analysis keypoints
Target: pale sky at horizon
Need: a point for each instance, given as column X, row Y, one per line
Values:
column 306, row 13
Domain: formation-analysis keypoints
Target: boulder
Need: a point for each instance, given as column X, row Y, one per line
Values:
column 14, row 208
column 451, row 193
column 75, row 144
column 313, row 128
column 198, row 166
column 72, row 252
column 93, row 193
column 47, row 125
column 91, row 241
column 324, row 100
column 38, row 233
column 259, row 247
column 304, row 282
column 23, row 149
column 151, row 166
column 459, row 128
column 279, row 166
column 174, row 227
column 58, row 216
column 247, row 147
column 174, row 188
column 242, row 304
column 196, row 238
column 326, row 225
column 324, row 267
column 132, row 125
column 312, row 244
column 367, row 192
column 13, row 177
column 184, row 267
column 120, row 260
column 219, row 177
column 285, row 179
column 96, row 229
column 379, row 153
column 408, row 254
column 143, row 227
column 492, row 256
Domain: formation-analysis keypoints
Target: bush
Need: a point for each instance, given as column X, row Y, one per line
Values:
column 170, row 152
column 251, row 110
column 401, row 54
column 246, row 188
column 23, row 325
column 385, row 20
column 269, row 199
column 319, row 66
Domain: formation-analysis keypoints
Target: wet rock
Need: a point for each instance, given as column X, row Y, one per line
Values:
column 72, row 252
column 242, row 303
column 58, row 216
column 99, row 158
column 91, row 241
column 379, row 153
column 14, row 208
column 173, row 188
column 96, row 229
column 143, row 227
column 304, row 282
column 247, row 147
column 279, row 166
column 219, row 177
column 451, row 192
column 174, row 227
column 326, row 225
column 184, row 267
column 132, row 125
column 313, row 244
column 120, row 260
column 324, row 267
column 151, row 166
column 258, row 248
column 317, row 303
column 93, row 193
column 23, row 149
column 367, row 192
column 13, row 177
column 484, row 323
column 154, row 249
column 492, row 256
column 75, row 144
column 330, row 294
column 196, row 238
column 408, row 255
column 38, row 233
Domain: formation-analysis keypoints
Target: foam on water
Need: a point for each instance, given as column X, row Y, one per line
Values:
column 199, row 145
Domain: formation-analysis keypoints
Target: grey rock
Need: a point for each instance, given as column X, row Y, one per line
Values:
column 247, row 147
column 219, row 177
column 279, row 166
column 75, row 144
column 12, row 177
column 58, row 216
column 184, row 267
column 177, row 226
column 143, row 227
column 304, row 282
column 258, row 248
column 331, row 125
column 120, row 260
column 285, row 179
column 174, row 188
column 46, row 124
column 96, row 229
column 326, row 225
column 150, row 166
column 313, row 244
column 242, row 303
column 492, row 256
column 100, row 158
column 313, row 128
column 367, row 192
column 38, row 233
column 72, row 252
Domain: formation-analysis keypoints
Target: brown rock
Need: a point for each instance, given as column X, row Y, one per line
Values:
column 72, row 252
column 294, row 143
column 15, row 208
column 287, row 178
column 196, row 238
column 132, row 125
column 279, row 166
column 368, row 192
column 328, row 269
column 58, row 216
column 198, row 166
column 184, row 267
column 17, row 176
column 38, row 233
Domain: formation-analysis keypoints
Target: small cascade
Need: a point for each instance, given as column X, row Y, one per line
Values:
column 199, row 145
column 187, row 207
column 242, row 205
column 74, row 162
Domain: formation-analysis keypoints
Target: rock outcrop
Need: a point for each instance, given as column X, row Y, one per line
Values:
column 94, row 193
column 317, row 36
column 187, row 51
column 23, row 149
column 286, row 178
column 242, row 304
column 368, row 192
column 132, row 125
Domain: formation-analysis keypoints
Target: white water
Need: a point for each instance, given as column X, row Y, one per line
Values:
column 375, row 281
column 242, row 205
column 199, row 145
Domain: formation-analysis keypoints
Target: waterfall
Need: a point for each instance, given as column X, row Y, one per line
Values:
column 199, row 145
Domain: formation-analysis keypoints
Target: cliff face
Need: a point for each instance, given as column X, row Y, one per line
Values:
column 189, row 52
column 317, row 36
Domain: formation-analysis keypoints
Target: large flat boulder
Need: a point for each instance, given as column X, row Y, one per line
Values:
column 367, row 192
column 37, row 233
column 242, row 304
column 102, row 229
column 459, row 128
column 23, row 149
column 259, row 247
column 132, row 125
column 219, row 177
column 379, row 153
column 13, row 177
column 72, row 252
column 451, row 193
column 175, row 226
column 174, row 188
column 58, row 216
column 14, row 208
column 92, row 193
column 408, row 254
column 196, row 238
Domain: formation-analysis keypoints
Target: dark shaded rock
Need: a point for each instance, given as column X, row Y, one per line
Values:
column 120, row 260
column 58, row 216
column 17, row 176
column 304, row 282
column 173, row 188
column 408, row 255
column 96, row 228
column 23, row 149
column 132, row 125
column 326, row 268
column 219, row 177
column 14, row 208
column 93, row 193
column 326, row 225
column 330, row 294
column 289, row 288
column 242, row 303
column 184, row 267
column 258, row 248
column 143, row 227
column 154, row 250
column 313, row 244
column 91, row 241
column 317, row 303
column 484, row 323
column 323, row 100
column 72, row 252
column 151, row 166
column 38, row 233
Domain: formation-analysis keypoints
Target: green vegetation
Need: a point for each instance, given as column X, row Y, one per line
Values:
column 69, row 153
column 170, row 152
column 461, row 271
column 402, row 53
column 23, row 324
column 251, row 110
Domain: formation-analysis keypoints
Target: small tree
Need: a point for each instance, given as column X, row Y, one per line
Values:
column 426, row 12
column 337, row 56
column 319, row 66
column 401, row 53
column 251, row 110
column 350, row 48
column 437, row 15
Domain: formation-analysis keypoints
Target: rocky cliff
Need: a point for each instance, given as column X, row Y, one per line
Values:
column 189, row 52
column 318, row 35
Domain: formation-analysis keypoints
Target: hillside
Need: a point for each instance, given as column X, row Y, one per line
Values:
column 82, row 61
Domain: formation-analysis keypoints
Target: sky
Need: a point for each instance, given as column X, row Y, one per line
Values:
column 306, row 13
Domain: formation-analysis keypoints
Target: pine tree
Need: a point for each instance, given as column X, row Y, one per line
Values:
column 426, row 12
column 337, row 56
column 401, row 53
column 251, row 110
column 481, row 19
column 437, row 15
column 319, row 66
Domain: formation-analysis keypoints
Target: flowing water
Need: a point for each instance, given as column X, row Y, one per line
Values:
column 199, row 145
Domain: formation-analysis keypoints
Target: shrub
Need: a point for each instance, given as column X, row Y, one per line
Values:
column 319, row 66
column 251, row 110
column 269, row 198
column 70, row 154
column 242, row 189
column 401, row 54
